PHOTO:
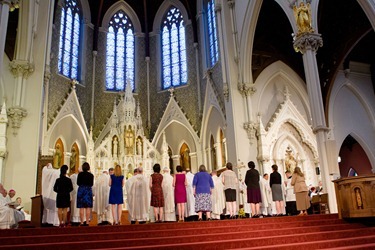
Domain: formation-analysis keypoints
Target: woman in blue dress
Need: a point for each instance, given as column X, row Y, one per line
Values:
column 116, row 194
column 85, row 181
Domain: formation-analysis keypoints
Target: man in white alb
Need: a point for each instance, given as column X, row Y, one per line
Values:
column 266, row 192
column 49, row 176
column 190, row 204
column 101, row 199
column 218, row 198
column 139, row 202
column 168, row 192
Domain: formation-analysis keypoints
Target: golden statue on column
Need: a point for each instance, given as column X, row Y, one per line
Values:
column 302, row 13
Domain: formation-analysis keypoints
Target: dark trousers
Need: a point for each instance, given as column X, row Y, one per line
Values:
column 291, row 208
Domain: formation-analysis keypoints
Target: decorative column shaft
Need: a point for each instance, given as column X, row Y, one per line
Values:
column 308, row 44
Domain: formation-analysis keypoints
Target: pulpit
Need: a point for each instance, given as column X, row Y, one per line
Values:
column 355, row 196
column 36, row 210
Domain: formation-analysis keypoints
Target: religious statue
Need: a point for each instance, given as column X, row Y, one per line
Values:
column 358, row 198
column 302, row 15
column 129, row 140
column 115, row 146
column 57, row 157
column 185, row 157
column 290, row 161
column 73, row 160
column 139, row 146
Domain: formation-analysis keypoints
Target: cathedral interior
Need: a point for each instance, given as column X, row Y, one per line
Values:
column 187, row 82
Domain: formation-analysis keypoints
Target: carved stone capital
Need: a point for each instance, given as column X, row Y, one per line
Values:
column 308, row 41
column 16, row 114
column 21, row 68
column 217, row 7
column 47, row 76
column 231, row 4
column 246, row 89
column 13, row 4
column 3, row 153
column 226, row 91
column 251, row 129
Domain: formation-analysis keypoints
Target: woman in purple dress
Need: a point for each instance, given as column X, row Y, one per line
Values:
column 157, row 197
column 179, row 183
column 116, row 194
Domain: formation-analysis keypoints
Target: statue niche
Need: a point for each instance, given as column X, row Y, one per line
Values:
column 74, row 159
column 129, row 141
column 114, row 147
column 58, row 159
column 290, row 161
column 185, row 157
column 139, row 146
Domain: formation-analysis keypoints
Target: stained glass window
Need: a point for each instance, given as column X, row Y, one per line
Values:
column 69, row 44
column 174, row 69
column 120, row 53
column 212, row 33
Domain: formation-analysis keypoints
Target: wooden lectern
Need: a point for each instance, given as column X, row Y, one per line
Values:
column 36, row 210
column 355, row 196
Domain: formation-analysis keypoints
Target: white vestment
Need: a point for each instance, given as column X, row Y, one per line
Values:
column 74, row 212
column 6, row 214
column 243, row 192
column 101, row 199
column 49, row 176
column 168, row 192
column 128, row 184
column 138, row 199
column 289, row 191
column 218, row 198
column 266, row 193
column 190, row 204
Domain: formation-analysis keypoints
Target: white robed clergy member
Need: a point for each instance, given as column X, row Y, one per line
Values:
column 266, row 193
column 190, row 204
column 168, row 192
column 218, row 197
column 101, row 198
column 128, row 184
column 49, row 176
column 243, row 198
column 138, row 199
column 6, row 213
column 74, row 212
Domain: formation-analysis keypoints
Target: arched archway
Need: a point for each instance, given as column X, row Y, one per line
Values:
column 353, row 157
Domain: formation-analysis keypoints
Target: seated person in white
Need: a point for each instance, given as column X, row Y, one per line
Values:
column 9, row 217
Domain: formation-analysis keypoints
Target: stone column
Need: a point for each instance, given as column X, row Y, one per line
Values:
column 176, row 161
column 308, row 44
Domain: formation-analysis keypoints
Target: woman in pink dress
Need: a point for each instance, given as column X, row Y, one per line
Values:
column 179, row 183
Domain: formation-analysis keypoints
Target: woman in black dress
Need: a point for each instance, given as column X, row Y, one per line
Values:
column 253, row 189
column 277, row 192
column 85, row 181
column 63, row 186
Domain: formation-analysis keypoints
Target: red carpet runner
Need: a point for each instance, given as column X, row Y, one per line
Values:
column 302, row 233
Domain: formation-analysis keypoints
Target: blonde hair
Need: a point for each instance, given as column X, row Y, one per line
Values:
column 118, row 171
column 298, row 171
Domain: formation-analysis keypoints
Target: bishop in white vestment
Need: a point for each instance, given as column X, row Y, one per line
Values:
column 190, row 204
column 138, row 199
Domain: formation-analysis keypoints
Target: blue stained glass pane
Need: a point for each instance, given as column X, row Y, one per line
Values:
column 212, row 33
column 173, row 49
column 120, row 51
column 69, row 39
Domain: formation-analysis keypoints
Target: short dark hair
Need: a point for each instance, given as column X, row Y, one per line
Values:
column 265, row 175
column 202, row 168
column 251, row 164
column 85, row 167
column 179, row 169
column 288, row 172
column 135, row 171
column 274, row 167
column 156, row 168
column 63, row 170
column 111, row 169
column 229, row 166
